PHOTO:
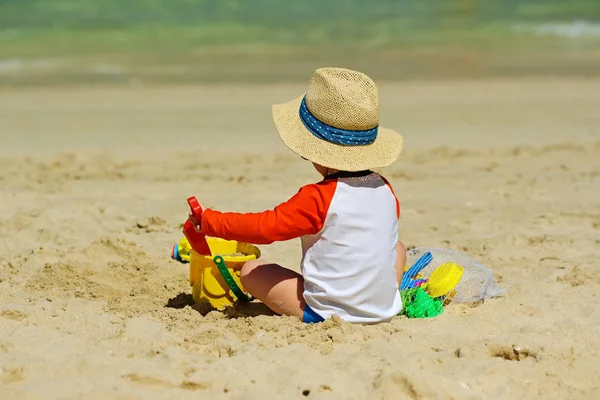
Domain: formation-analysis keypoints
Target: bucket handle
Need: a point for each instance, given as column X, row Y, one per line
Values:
column 220, row 263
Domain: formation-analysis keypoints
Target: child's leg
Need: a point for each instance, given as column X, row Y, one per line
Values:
column 400, row 261
column 278, row 287
column 281, row 289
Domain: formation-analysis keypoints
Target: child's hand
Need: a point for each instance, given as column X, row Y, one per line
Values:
column 195, row 222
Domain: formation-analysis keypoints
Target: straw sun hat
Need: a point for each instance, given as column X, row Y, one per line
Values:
column 336, row 123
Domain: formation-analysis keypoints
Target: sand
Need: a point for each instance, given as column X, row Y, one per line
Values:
column 93, row 188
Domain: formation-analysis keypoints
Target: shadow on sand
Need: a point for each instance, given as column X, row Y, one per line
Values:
column 238, row 310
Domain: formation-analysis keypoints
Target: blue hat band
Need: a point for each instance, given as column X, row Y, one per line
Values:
column 332, row 134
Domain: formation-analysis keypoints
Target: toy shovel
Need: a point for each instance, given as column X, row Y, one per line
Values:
column 197, row 240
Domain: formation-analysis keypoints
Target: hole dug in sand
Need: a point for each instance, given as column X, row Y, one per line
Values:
column 512, row 353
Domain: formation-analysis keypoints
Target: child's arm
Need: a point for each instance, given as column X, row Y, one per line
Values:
column 303, row 214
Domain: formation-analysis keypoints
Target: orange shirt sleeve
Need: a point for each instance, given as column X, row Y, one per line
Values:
column 303, row 214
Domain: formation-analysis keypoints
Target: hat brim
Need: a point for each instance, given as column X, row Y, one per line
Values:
column 383, row 152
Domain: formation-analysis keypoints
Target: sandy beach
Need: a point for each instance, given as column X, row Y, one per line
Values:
column 93, row 184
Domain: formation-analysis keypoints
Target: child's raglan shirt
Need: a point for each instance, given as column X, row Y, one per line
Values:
column 348, row 224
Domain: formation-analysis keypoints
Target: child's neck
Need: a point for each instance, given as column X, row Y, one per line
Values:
column 324, row 171
column 329, row 172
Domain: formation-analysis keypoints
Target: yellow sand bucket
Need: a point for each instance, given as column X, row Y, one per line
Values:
column 444, row 279
column 209, row 275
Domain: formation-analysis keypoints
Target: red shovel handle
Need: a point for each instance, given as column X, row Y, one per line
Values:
column 195, row 207
column 197, row 240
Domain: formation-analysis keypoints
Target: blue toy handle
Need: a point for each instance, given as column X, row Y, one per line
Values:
column 415, row 269
column 175, row 254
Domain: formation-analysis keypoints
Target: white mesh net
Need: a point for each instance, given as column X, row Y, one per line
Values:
column 477, row 282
